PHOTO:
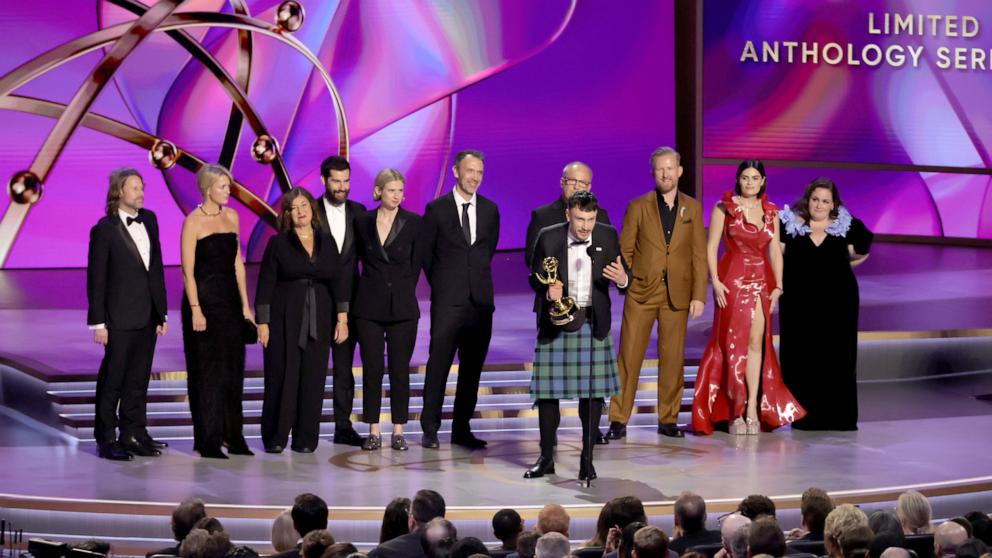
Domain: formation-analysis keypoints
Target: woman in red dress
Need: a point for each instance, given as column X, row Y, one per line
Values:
column 739, row 364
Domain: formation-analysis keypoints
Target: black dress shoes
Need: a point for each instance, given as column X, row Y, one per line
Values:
column 601, row 440
column 150, row 442
column 240, row 449
column 301, row 450
column 468, row 440
column 114, row 451
column 275, row 448
column 429, row 440
column 617, row 431
column 132, row 445
column 348, row 437
column 586, row 471
column 671, row 430
column 214, row 453
column 544, row 466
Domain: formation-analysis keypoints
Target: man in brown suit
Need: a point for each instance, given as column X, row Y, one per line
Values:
column 664, row 242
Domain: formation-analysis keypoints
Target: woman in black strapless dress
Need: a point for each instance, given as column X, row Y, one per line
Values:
column 214, row 307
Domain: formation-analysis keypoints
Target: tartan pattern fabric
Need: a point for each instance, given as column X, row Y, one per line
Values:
column 561, row 366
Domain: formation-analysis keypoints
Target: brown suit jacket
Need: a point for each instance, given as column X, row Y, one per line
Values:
column 643, row 246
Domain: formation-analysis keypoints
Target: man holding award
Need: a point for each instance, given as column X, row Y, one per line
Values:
column 574, row 264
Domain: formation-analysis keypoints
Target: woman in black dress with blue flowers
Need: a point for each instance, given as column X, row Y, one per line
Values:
column 818, row 317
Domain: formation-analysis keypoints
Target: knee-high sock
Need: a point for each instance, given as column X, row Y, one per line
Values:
column 548, row 417
column 590, row 413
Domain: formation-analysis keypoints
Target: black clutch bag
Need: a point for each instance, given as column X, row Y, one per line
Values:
column 249, row 333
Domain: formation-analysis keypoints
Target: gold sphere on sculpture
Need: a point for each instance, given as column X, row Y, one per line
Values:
column 163, row 155
column 289, row 16
column 24, row 188
column 265, row 149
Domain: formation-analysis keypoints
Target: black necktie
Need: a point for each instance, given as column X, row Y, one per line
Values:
column 466, row 226
column 137, row 219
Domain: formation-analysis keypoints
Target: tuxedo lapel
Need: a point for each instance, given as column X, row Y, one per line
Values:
column 128, row 241
column 349, row 227
column 394, row 230
column 455, row 206
column 325, row 225
column 562, row 240
column 372, row 229
column 679, row 215
column 654, row 216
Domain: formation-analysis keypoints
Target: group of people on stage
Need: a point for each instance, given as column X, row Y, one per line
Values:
column 337, row 276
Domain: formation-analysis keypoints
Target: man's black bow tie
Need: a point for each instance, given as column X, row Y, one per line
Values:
column 137, row 219
column 579, row 243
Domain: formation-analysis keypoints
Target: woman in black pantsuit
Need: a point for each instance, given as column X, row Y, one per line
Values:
column 294, row 302
column 385, row 308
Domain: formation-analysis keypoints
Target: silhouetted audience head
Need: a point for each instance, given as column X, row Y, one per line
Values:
column 650, row 542
column 209, row 524
column 441, row 548
column 340, row 550
column 507, row 526
column 284, row 535
column 527, row 543
column 815, row 506
column 440, row 528
column 553, row 519
column 730, row 526
column 309, row 513
column 882, row 521
column 856, row 542
column 766, row 537
column 895, row 552
column 315, row 543
column 690, row 513
column 468, row 546
column 963, row 521
column 913, row 510
column 552, row 545
column 884, row 540
column 981, row 526
column 618, row 512
column 627, row 538
column 395, row 520
column 843, row 519
column 946, row 538
column 185, row 516
column 755, row 506
column 200, row 543
column 426, row 505
column 972, row 548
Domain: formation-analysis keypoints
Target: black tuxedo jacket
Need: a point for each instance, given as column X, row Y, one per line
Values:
column 548, row 215
column 121, row 292
column 459, row 274
column 387, row 290
column 347, row 259
column 410, row 545
column 605, row 247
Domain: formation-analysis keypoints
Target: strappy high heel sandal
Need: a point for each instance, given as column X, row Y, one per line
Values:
column 752, row 427
column 738, row 427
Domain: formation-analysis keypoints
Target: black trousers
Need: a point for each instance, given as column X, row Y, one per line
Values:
column 122, row 384
column 294, row 394
column 376, row 338
column 342, row 361
column 549, row 416
column 467, row 330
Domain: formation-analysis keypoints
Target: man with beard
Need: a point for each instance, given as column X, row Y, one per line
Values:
column 337, row 217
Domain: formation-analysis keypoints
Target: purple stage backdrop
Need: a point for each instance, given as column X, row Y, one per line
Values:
column 533, row 84
column 886, row 97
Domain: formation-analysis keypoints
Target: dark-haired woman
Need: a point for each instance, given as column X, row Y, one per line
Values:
column 295, row 305
column 822, row 242
column 739, row 362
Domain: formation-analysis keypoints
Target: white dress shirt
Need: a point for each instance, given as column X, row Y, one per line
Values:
column 579, row 270
column 472, row 221
column 336, row 222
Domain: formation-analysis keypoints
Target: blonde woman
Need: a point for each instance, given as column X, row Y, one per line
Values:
column 913, row 510
column 214, row 308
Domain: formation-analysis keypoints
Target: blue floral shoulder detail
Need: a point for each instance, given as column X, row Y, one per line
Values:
column 793, row 224
column 841, row 224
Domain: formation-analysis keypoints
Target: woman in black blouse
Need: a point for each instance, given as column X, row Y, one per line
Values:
column 819, row 317
column 296, row 295
column 385, row 307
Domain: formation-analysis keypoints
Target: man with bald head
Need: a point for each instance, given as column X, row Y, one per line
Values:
column 575, row 176
column 730, row 528
column 946, row 538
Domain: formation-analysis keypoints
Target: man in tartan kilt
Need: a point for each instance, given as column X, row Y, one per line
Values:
column 576, row 360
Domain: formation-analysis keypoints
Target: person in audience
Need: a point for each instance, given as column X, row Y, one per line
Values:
column 200, row 543
column 693, row 554
column 971, row 548
column 914, row 513
column 946, row 538
column 895, row 552
column 552, row 545
column 843, row 519
column 396, row 520
column 766, row 537
column 426, row 505
column 733, row 536
column 315, row 543
column 690, row 524
column 884, row 540
column 622, row 540
column 755, row 506
column 884, row 521
column 309, row 513
column 553, row 519
column 340, row 550
column 815, row 506
column 981, row 526
column 184, row 517
column 441, row 548
column 963, row 521
column 468, row 546
column 649, row 542
column 618, row 512
column 284, row 535
column 526, row 545
column 209, row 524
column 856, row 542
column 507, row 526
column 440, row 528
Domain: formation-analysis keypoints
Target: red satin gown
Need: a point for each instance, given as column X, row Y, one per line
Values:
column 721, row 388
